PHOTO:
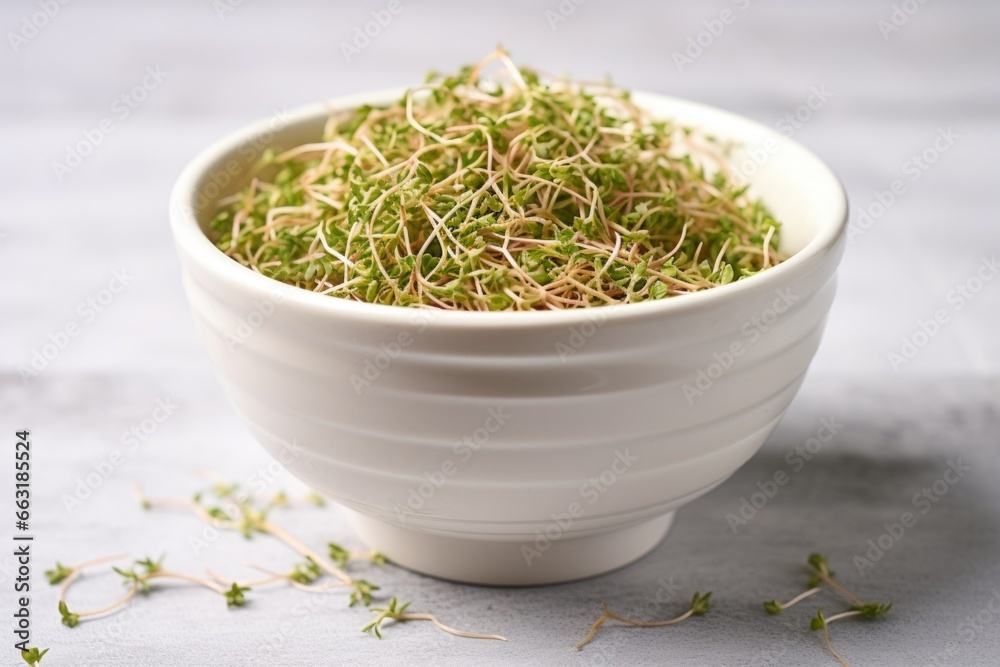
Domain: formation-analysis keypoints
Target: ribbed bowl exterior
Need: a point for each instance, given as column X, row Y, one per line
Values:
column 514, row 421
column 491, row 426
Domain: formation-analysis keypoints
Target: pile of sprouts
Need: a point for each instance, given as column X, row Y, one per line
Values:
column 500, row 192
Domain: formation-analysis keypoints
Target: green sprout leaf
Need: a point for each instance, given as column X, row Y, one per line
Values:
column 306, row 573
column 33, row 656
column 151, row 566
column 818, row 622
column 338, row 554
column 772, row 607
column 820, row 563
column 872, row 609
column 235, row 595
column 393, row 610
column 69, row 619
column 218, row 513
column 362, row 593
column 133, row 578
column 222, row 490
column 700, row 604
column 58, row 573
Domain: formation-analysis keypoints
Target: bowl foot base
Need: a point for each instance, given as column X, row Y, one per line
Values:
column 510, row 563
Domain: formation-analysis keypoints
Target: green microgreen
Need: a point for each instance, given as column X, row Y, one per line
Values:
column 32, row 655
column 306, row 573
column 69, row 619
column 58, row 573
column 507, row 192
column 361, row 592
column 338, row 554
column 235, row 595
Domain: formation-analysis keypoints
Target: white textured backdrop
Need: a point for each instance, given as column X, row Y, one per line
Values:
column 882, row 93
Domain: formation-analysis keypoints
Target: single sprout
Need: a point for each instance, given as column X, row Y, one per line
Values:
column 699, row 607
column 506, row 192
column 33, row 656
column 316, row 499
column 397, row 612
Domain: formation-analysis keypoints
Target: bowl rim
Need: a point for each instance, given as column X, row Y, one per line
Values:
column 193, row 242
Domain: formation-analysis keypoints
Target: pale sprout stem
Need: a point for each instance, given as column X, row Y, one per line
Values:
column 802, row 596
column 442, row 626
column 829, row 646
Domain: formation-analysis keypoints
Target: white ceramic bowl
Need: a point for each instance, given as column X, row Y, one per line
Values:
column 516, row 448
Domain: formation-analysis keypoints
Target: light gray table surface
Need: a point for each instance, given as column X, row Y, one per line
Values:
column 63, row 237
